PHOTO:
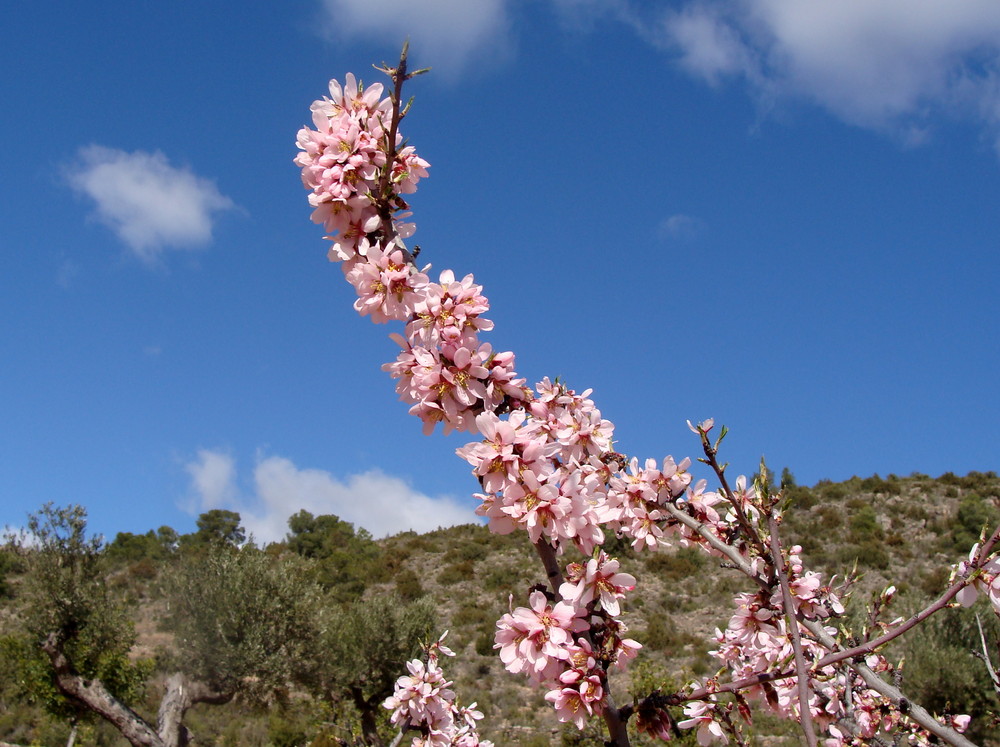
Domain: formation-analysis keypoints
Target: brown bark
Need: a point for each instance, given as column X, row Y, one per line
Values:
column 95, row 696
column 181, row 693
column 369, row 725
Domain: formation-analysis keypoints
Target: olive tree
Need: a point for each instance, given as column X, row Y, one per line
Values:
column 244, row 623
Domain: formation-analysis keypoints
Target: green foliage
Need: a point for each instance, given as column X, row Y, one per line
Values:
column 684, row 563
column 466, row 551
column 218, row 526
column 347, row 560
column 941, row 672
column 830, row 491
column 408, row 586
column 662, row 634
column 9, row 564
column 154, row 547
column 365, row 649
column 800, row 497
column 869, row 554
column 973, row 515
column 65, row 594
column 244, row 622
column 864, row 526
column 830, row 517
column 456, row 572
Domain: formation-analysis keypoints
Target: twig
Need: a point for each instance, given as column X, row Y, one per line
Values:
column 986, row 656
column 720, row 472
column 891, row 692
column 402, row 731
column 805, row 716
column 873, row 680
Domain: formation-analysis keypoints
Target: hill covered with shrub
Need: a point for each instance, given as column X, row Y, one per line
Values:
column 905, row 531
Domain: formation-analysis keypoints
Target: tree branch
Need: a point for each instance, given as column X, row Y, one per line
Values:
column 93, row 695
column 802, row 677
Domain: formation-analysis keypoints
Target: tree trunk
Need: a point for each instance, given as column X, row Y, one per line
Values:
column 180, row 695
column 72, row 737
column 369, row 725
column 95, row 696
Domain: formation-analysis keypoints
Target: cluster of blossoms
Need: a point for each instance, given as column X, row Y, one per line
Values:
column 344, row 162
column 567, row 647
column 424, row 701
column 547, row 466
column 349, row 164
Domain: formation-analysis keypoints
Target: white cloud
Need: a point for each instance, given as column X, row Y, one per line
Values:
column 680, row 226
column 148, row 203
column 875, row 63
column 709, row 47
column 378, row 502
column 213, row 479
column 445, row 34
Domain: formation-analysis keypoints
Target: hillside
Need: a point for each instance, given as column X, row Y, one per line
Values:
column 902, row 530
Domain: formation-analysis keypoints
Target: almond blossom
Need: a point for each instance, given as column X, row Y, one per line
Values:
column 599, row 579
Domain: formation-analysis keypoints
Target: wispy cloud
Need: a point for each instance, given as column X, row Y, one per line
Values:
column 886, row 64
column 213, row 480
column 148, row 203
column 680, row 226
column 709, row 48
column 66, row 272
column 380, row 503
column 445, row 34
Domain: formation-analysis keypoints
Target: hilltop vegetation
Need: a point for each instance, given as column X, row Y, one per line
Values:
column 300, row 640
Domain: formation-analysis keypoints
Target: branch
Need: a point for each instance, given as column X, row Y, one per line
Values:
column 720, row 472
column 399, row 75
column 547, row 554
column 891, row 692
column 93, row 695
column 837, row 655
column 723, row 548
column 399, row 737
column 986, row 656
column 802, row 678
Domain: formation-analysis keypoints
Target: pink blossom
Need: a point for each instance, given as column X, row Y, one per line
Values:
column 570, row 705
column 388, row 287
column 534, row 640
column 702, row 716
column 599, row 579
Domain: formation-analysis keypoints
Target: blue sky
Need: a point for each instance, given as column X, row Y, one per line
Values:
column 779, row 214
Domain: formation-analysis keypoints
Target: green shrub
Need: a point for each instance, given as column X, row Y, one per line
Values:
column 869, row 554
column 456, row 572
column 864, row 526
column 832, row 491
column 408, row 585
column 468, row 551
column 970, row 518
column 686, row 562
column 831, row 517
column 942, row 674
